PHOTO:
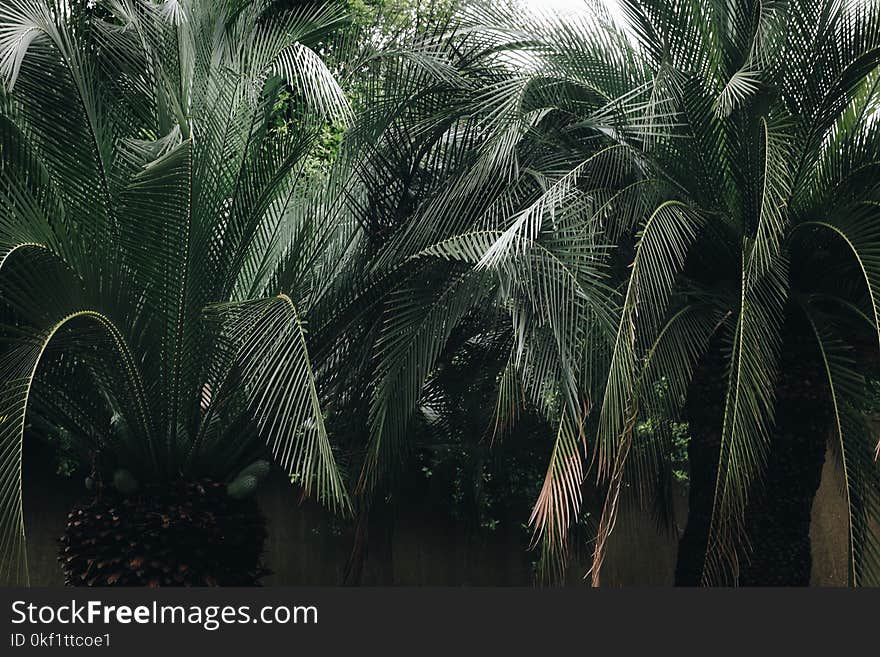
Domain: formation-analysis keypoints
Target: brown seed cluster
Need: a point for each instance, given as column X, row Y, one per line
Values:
column 176, row 534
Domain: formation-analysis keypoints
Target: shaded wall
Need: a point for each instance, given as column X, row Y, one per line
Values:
column 47, row 499
column 829, row 527
column 419, row 546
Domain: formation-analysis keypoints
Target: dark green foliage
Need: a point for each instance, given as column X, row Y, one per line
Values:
column 125, row 482
column 258, row 469
column 175, row 534
column 556, row 229
column 243, row 486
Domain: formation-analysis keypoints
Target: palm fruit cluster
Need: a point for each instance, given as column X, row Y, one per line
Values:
column 185, row 533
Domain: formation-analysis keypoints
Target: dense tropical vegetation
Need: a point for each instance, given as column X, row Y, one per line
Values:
column 622, row 249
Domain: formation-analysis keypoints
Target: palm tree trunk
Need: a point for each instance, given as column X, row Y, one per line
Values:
column 778, row 517
column 704, row 413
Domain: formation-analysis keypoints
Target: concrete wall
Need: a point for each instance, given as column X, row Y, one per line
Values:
column 419, row 547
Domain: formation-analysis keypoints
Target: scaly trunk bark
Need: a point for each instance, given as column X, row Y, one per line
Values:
column 704, row 411
column 778, row 517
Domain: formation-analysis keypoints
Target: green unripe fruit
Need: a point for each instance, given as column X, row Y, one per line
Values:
column 242, row 487
column 258, row 469
column 90, row 484
column 125, row 482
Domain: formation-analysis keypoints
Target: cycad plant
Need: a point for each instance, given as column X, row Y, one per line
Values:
column 144, row 193
column 727, row 154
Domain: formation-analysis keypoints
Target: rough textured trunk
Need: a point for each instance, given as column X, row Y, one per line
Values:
column 704, row 413
column 778, row 517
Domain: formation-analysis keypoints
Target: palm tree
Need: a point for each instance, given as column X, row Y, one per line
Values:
column 739, row 190
column 141, row 183
column 427, row 174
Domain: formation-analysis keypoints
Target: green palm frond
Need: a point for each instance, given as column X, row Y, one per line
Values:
column 135, row 190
